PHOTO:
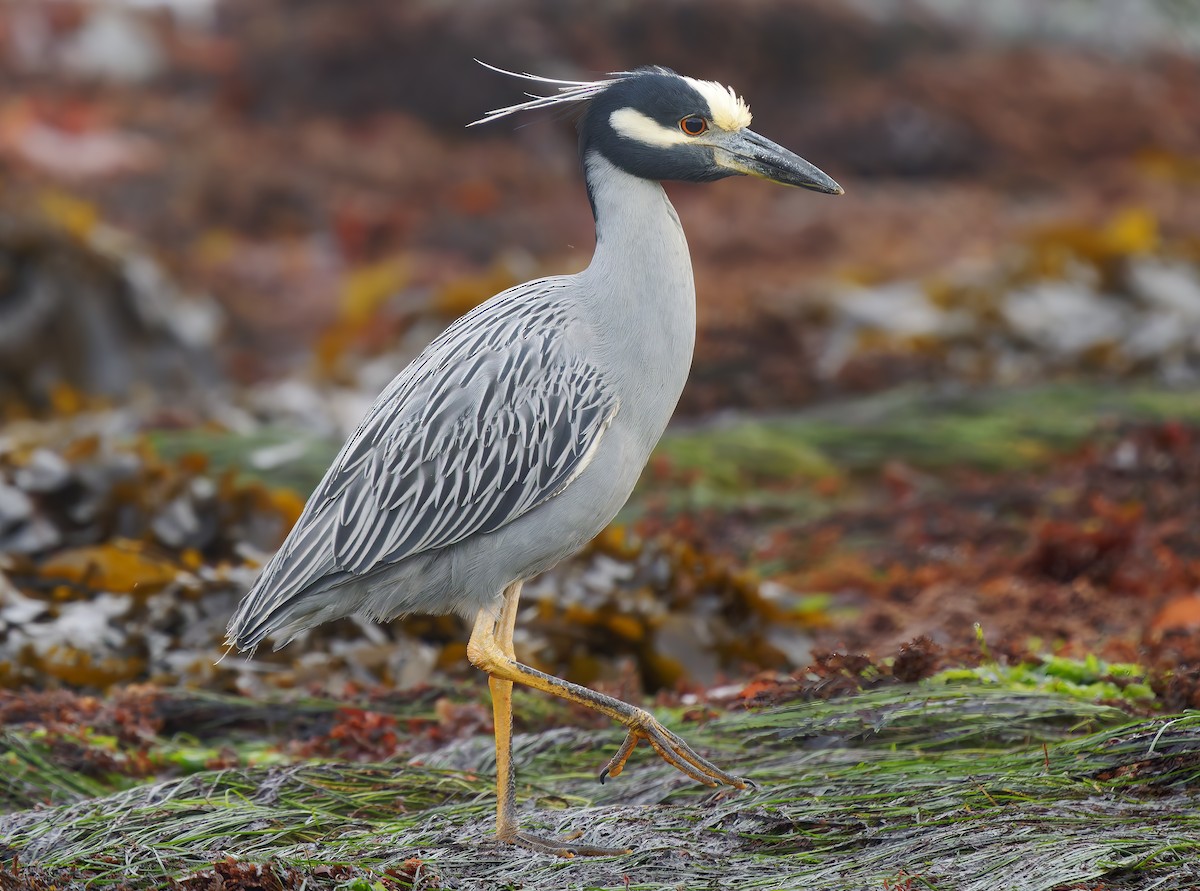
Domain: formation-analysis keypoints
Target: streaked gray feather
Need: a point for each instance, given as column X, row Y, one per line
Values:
column 495, row 417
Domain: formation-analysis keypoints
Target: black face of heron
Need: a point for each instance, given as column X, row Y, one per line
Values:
column 659, row 125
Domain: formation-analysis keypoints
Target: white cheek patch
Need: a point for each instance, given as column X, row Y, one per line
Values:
column 634, row 125
column 729, row 110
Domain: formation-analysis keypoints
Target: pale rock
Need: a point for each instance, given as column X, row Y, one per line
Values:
column 1064, row 318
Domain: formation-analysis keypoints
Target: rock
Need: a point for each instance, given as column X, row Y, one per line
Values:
column 45, row 471
column 17, row 610
column 95, row 314
column 15, row 507
column 113, row 44
column 1064, row 318
column 901, row 308
column 1170, row 287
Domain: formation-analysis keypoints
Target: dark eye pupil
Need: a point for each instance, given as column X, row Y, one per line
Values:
column 693, row 125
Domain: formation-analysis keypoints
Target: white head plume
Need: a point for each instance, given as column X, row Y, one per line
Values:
column 729, row 111
column 568, row 91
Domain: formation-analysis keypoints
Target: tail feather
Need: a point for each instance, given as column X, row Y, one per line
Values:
column 413, row 585
column 263, row 613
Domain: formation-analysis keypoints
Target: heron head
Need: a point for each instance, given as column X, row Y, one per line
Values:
column 656, row 124
column 659, row 125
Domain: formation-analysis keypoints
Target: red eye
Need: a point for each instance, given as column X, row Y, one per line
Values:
column 693, row 125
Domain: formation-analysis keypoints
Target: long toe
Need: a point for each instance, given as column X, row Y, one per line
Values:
column 713, row 774
column 671, row 748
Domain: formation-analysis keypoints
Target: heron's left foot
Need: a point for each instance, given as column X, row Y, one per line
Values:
column 672, row 749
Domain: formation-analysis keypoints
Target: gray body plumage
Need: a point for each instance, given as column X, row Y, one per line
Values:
column 509, row 443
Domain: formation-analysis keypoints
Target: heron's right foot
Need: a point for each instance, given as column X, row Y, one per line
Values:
column 672, row 749
column 566, row 847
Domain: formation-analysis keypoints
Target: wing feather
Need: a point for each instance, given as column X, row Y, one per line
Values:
column 497, row 416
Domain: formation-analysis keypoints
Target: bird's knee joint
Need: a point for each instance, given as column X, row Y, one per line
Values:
column 483, row 657
column 477, row 656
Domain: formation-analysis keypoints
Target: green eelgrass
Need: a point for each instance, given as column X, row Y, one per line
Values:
column 923, row 786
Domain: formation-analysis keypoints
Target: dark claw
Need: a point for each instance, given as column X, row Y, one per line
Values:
column 603, row 776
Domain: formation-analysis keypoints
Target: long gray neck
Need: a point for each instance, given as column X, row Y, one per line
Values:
column 640, row 279
column 637, row 229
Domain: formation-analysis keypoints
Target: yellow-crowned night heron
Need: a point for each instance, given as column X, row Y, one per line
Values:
column 518, row 434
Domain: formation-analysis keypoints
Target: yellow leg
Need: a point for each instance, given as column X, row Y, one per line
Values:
column 491, row 650
column 506, row 778
column 499, row 632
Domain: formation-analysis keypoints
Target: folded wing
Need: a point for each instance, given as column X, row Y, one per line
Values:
column 496, row 417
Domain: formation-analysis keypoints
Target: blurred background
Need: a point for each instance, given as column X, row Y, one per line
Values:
column 963, row 393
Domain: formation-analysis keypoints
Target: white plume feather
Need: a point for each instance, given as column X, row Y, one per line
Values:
column 568, row 91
